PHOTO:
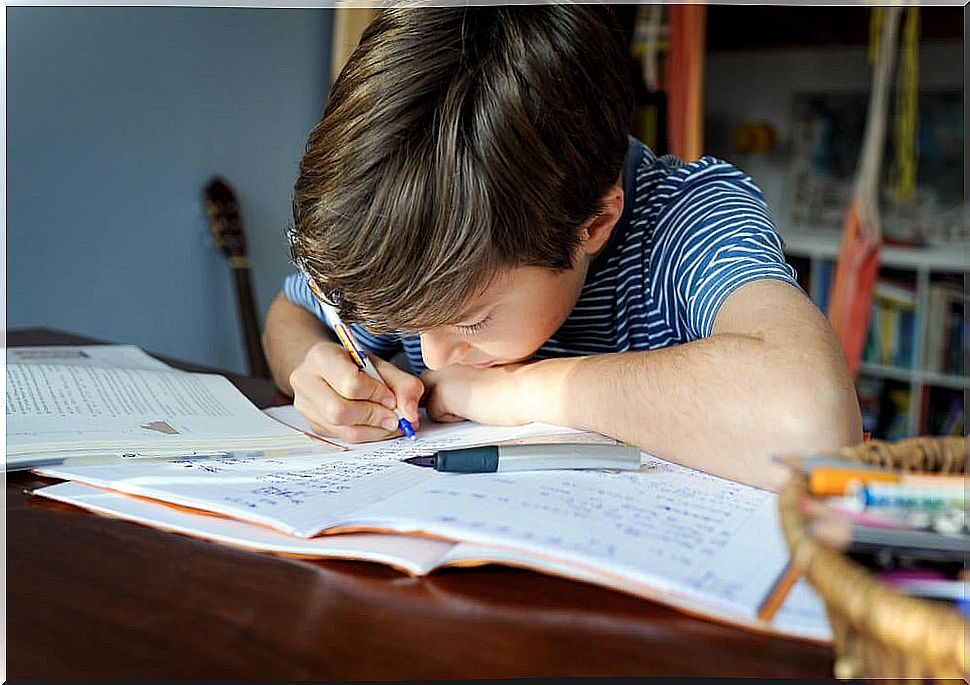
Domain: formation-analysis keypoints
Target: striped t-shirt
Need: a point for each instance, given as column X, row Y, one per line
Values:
column 688, row 236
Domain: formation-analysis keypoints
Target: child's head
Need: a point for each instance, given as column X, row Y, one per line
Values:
column 459, row 144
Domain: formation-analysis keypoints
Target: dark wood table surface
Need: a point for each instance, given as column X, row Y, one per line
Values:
column 94, row 597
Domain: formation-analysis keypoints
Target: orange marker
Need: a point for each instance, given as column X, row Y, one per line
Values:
column 827, row 482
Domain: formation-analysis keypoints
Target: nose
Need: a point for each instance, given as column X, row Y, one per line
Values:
column 440, row 350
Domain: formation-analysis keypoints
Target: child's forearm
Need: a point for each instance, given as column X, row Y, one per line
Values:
column 290, row 332
column 723, row 404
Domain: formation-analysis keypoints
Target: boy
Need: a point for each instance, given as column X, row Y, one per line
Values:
column 471, row 195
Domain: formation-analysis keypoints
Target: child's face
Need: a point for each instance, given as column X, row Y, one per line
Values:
column 521, row 309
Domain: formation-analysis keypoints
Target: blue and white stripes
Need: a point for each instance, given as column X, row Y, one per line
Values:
column 690, row 235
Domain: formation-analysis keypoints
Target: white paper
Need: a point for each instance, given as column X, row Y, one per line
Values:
column 115, row 356
column 674, row 530
column 289, row 416
column 707, row 549
column 667, row 525
column 464, row 432
column 298, row 494
column 57, row 404
column 412, row 554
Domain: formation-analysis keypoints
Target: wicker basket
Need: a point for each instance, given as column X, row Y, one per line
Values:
column 878, row 632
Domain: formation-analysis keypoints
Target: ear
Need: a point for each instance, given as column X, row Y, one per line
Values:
column 596, row 232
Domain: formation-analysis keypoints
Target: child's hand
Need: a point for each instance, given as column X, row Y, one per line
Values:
column 338, row 400
column 492, row 396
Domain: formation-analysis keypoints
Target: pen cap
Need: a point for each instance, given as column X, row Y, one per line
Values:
column 467, row 460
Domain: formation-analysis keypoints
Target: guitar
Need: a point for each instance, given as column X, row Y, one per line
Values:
column 226, row 225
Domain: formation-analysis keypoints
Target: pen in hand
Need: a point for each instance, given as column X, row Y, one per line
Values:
column 359, row 357
column 363, row 363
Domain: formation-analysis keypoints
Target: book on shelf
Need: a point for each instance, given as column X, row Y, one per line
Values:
column 946, row 330
column 892, row 329
column 114, row 402
column 821, row 284
column 671, row 534
column 869, row 390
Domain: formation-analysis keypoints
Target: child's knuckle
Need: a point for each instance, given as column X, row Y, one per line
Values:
column 338, row 413
column 355, row 387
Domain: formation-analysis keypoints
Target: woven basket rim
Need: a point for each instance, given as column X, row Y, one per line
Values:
column 921, row 629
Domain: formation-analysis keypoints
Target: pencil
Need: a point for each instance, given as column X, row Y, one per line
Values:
column 779, row 591
column 360, row 359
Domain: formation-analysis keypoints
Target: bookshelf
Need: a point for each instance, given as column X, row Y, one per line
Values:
column 924, row 394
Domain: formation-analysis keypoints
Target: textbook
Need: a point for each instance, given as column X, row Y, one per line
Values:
column 681, row 537
column 114, row 402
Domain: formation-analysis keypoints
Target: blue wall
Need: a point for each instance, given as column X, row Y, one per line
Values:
column 116, row 118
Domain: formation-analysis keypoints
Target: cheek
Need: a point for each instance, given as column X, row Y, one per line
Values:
column 520, row 339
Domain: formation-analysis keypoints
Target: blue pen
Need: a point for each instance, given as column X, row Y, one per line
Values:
column 361, row 360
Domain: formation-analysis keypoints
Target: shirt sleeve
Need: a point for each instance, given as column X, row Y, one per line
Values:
column 297, row 290
column 719, row 235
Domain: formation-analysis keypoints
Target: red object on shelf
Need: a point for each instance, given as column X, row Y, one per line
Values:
column 857, row 265
column 685, row 81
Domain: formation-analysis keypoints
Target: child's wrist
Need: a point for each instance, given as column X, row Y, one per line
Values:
column 540, row 390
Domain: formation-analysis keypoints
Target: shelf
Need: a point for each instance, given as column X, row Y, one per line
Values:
column 892, row 372
column 911, row 376
column 825, row 245
column 945, row 381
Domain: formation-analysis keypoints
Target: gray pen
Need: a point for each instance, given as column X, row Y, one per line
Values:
column 505, row 458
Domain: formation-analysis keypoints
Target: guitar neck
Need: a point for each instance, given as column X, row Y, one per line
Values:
column 248, row 318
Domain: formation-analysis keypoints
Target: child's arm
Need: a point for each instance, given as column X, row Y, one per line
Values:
column 289, row 334
column 770, row 379
column 326, row 386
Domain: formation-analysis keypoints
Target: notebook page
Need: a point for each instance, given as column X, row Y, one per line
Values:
column 801, row 615
column 803, row 612
column 57, row 404
column 462, row 433
column 299, row 494
column 406, row 552
column 673, row 528
column 117, row 356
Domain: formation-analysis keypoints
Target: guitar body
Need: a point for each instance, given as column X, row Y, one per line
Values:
column 226, row 224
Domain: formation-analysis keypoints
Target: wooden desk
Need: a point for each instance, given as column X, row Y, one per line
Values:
column 94, row 597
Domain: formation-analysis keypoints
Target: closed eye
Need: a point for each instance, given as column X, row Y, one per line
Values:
column 472, row 329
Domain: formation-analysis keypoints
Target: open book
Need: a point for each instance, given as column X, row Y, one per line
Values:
column 115, row 402
column 668, row 533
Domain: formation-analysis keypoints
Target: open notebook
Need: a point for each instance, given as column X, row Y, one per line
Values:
column 114, row 402
column 668, row 533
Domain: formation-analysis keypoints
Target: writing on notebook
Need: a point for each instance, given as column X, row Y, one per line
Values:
column 224, row 462
column 62, row 390
column 656, row 521
column 711, row 582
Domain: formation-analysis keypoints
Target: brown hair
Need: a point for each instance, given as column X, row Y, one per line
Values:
column 458, row 142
